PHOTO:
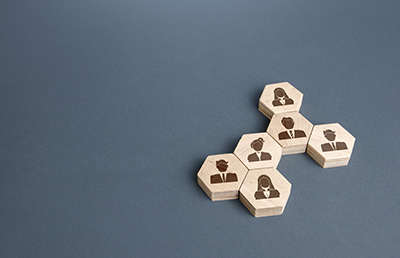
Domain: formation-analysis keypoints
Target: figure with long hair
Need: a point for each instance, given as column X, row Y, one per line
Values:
column 265, row 189
column 281, row 98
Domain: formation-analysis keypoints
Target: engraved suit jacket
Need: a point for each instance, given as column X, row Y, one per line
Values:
column 272, row 194
column 288, row 101
column 264, row 156
column 297, row 134
column 217, row 178
column 339, row 146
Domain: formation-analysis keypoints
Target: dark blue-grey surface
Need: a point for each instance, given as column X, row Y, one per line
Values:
column 109, row 108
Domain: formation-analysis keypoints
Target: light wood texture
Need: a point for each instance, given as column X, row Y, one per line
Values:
column 258, row 150
column 330, row 145
column 291, row 130
column 279, row 98
column 265, row 192
column 221, row 176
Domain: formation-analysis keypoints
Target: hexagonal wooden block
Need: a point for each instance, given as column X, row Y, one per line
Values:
column 258, row 150
column 291, row 130
column 279, row 98
column 330, row 145
column 265, row 192
column 221, row 175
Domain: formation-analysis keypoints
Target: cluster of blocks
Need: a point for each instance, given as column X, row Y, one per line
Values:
column 250, row 174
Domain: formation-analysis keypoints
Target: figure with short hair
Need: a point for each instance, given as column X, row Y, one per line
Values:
column 222, row 166
column 330, row 135
column 257, row 145
column 288, row 123
column 281, row 98
column 265, row 189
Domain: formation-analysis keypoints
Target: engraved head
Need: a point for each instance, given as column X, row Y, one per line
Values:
column 330, row 135
column 257, row 144
column 222, row 165
column 264, row 182
column 288, row 122
column 280, row 93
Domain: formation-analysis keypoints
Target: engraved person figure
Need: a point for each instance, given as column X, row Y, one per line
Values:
column 265, row 189
column 222, row 166
column 258, row 155
column 332, row 145
column 288, row 123
column 281, row 98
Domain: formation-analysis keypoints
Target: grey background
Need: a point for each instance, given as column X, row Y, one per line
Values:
column 109, row 108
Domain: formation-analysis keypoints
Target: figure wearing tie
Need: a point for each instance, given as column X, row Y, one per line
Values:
column 222, row 166
column 288, row 123
column 332, row 145
column 258, row 155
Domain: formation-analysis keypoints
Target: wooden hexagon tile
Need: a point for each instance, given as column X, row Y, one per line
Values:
column 330, row 145
column 221, row 175
column 265, row 192
column 291, row 130
column 279, row 98
column 258, row 150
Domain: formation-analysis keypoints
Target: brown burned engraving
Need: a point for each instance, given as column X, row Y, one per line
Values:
column 288, row 123
column 222, row 166
column 257, row 145
column 265, row 189
column 281, row 98
column 330, row 135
